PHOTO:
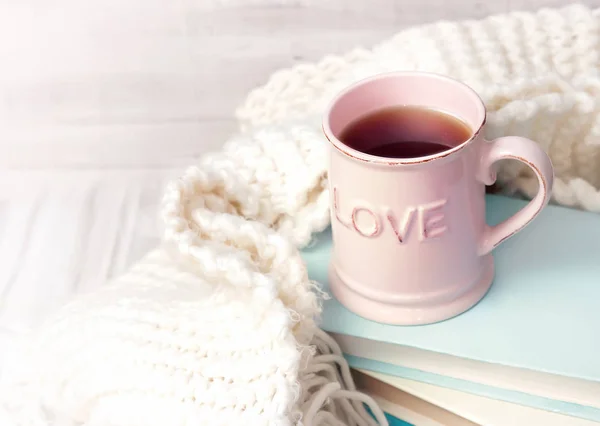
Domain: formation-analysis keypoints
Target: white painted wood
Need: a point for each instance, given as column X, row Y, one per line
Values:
column 161, row 79
column 101, row 101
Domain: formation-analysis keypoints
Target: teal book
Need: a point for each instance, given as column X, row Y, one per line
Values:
column 534, row 339
column 395, row 421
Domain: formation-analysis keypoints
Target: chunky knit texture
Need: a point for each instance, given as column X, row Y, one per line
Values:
column 219, row 325
column 537, row 73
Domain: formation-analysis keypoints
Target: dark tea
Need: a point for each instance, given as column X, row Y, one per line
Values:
column 405, row 132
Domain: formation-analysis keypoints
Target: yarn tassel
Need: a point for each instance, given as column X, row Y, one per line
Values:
column 329, row 395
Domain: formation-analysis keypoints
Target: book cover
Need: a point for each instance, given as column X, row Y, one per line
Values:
column 406, row 406
column 477, row 409
column 536, row 334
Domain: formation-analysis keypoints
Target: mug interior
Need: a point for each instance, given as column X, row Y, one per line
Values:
column 399, row 89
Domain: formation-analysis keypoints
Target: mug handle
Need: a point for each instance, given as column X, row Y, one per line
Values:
column 530, row 153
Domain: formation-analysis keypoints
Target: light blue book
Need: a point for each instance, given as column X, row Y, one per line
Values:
column 534, row 339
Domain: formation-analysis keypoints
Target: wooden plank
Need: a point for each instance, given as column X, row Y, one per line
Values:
column 185, row 65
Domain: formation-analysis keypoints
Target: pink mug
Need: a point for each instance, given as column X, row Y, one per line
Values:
column 410, row 241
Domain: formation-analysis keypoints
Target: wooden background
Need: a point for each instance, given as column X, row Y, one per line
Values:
column 153, row 82
column 102, row 100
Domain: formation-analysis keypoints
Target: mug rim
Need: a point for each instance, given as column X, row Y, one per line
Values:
column 368, row 158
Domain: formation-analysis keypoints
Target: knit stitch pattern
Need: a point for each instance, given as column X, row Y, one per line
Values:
column 537, row 73
column 163, row 346
column 219, row 325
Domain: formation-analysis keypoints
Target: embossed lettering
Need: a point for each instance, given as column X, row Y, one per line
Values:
column 401, row 230
column 367, row 221
column 432, row 220
column 375, row 222
column 336, row 209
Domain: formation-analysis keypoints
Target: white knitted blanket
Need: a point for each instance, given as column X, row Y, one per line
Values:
column 219, row 325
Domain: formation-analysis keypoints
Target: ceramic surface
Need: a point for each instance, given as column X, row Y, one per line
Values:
column 411, row 245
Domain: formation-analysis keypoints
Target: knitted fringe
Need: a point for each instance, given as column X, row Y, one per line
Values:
column 328, row 396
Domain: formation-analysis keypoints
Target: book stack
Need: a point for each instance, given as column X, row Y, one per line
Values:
column 527, row 354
